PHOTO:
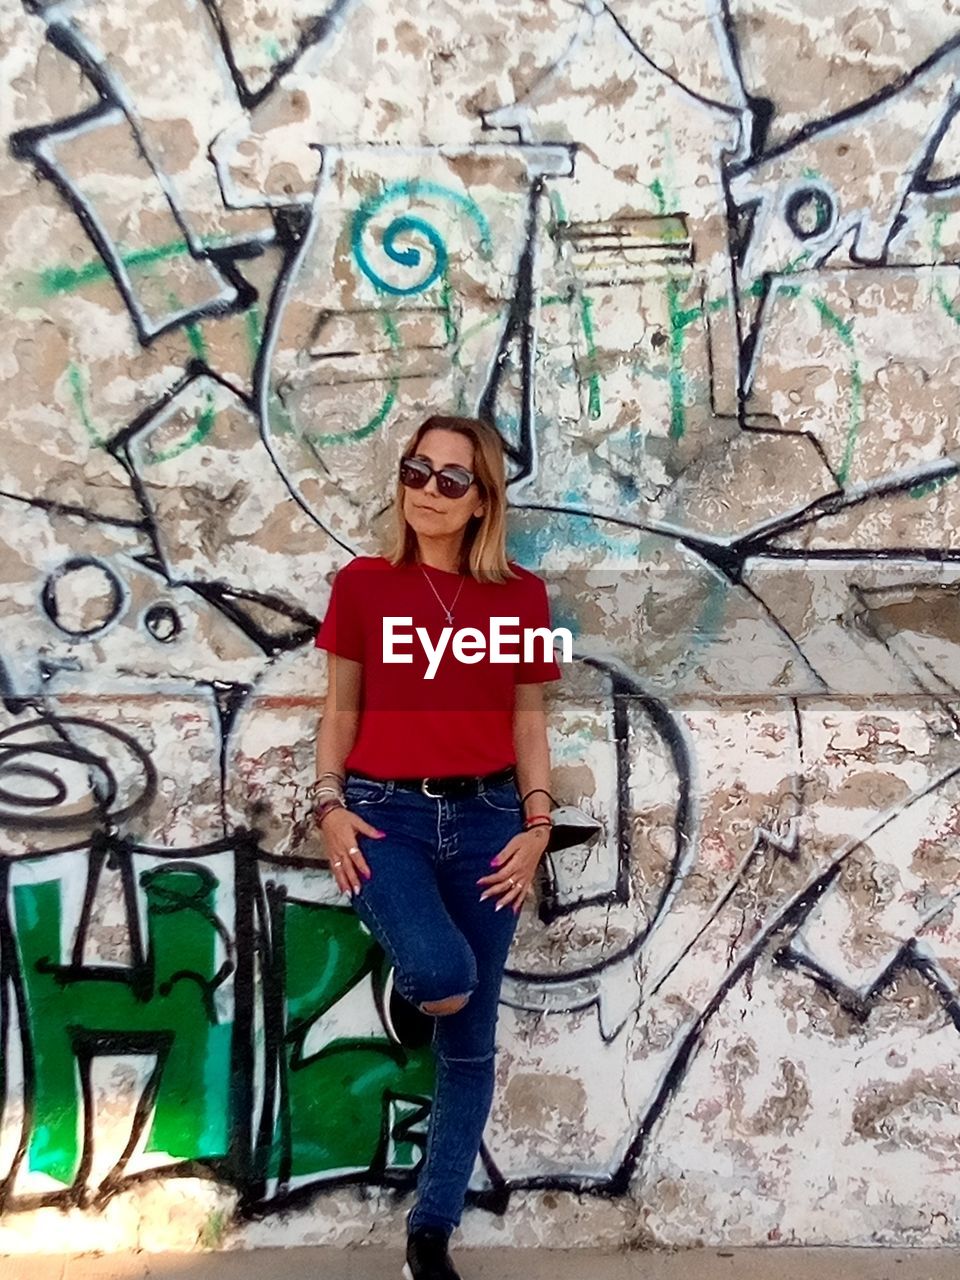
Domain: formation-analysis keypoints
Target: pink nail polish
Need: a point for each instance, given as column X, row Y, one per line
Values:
column 493, row 862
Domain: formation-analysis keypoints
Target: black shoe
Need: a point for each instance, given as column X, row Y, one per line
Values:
column 427, row 1256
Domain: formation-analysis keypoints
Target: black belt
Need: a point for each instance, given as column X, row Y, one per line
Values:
column 455, row 785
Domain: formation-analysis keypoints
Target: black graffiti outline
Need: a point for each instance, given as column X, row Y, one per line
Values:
column 29, row 144
column 741, row 218
column 138, row 976
column 69, row 750
column 48, row 594
column 318, row 30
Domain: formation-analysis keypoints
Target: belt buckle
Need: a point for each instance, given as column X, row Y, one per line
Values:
column 438, row 795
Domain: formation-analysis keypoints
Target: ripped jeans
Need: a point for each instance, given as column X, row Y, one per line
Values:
column 422, row 905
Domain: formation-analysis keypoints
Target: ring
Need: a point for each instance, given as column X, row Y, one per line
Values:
column 353, row 849
column 336, row 864
column 512, row 881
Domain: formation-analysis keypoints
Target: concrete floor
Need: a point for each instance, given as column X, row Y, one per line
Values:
column 367, row 1263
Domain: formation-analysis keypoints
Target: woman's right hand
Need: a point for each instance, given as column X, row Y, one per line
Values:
column 340, row 829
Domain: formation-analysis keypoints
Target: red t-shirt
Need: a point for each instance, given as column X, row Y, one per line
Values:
column 461, row 720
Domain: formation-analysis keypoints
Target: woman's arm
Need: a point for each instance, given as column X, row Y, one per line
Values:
column 530, row 744
column 341, row 713
column 517, row 861
column 338, row 731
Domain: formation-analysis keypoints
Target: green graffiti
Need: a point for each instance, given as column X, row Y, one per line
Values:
column 450, row 326
column 946, row 302
column 373, row 424
column 679, row 320
column 64, row 279
column 558, row 211
column 339, row 1097
column 75, row 379
column 170, row 1006
column 214, row 1229
column 844, row 329
column 709, row 621
column 672, row 230
column 197, row 344
column 759, row 287
column 656, row 188
column 929, row 486
column 206, row 417
column 254, row 326
column 586, row 320
column 339, row 1105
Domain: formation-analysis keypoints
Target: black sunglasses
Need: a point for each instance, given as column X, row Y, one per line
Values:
column 453, row 481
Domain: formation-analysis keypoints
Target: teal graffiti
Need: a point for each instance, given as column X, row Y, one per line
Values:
column 411, row 257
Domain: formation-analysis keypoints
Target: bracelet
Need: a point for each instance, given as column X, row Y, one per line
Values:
column 327, row 807
column 315, row 790
column 535, row 791
column 538, row 820
column 329, row 774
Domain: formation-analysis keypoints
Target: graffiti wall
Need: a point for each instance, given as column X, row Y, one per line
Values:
column 698, row 261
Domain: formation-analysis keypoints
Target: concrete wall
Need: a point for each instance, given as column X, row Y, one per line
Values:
column 700, row 263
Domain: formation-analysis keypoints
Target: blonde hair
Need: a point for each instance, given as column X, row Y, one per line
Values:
column 483, row 550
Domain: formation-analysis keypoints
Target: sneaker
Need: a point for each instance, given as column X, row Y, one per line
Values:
column 406, row 1024
column 427, row 1256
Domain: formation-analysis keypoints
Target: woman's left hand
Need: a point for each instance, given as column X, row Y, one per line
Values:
column 516, row 865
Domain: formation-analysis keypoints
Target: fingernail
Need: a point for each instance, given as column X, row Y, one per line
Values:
column 493, row 862
column 368, row 874
column 485, row 895
column 498, row 906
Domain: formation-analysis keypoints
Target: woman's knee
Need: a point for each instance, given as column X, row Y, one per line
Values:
column 432, row 980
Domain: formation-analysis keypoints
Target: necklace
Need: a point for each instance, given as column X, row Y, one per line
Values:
column 448, row 612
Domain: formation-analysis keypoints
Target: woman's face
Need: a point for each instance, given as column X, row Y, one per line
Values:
column 427, row 511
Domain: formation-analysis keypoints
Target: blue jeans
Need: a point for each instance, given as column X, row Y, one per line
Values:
column 422, row 905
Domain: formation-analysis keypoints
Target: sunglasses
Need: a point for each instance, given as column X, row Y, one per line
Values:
column 453, row 481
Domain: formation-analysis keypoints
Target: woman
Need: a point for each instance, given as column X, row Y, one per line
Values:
column 444, row 767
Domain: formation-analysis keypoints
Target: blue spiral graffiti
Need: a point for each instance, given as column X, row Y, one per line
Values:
column 410, row 256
